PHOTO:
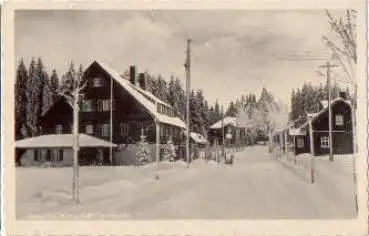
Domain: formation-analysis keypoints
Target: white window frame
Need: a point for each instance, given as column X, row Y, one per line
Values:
column 324, row 142
column 58, row 129
column 106, row 104
column 105, row 130
column 97, row 82
column 89, row 129
column 339, row 120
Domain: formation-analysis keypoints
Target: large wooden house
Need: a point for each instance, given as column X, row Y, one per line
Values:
column 121, row 104
column 342, row 130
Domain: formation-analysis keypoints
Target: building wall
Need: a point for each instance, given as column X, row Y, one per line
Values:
column 28, row 158
column 342, row 134
column 128, row 116
column 216, row 134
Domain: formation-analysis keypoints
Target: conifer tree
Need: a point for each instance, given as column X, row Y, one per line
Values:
column 34, row 92
column 21, row 101
column 54, row 85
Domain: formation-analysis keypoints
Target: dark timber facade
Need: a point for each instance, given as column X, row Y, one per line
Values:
column 127, row 109
column 342, row 130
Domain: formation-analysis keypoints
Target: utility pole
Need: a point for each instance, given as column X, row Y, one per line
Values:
column 222, row 116
column 188, row 92
column 111, row 120
column 328, row 66
column 312, row 151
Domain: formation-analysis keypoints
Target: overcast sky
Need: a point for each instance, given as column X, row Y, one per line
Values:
column 233, row 52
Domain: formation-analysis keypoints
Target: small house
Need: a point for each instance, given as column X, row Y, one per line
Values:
column 342, row 129
column 228, row 128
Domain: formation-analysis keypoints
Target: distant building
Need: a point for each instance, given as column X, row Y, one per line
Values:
column 129, row 106
column 230, row 127
column 342, row 129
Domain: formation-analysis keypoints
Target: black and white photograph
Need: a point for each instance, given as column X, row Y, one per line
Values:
column 186, row 114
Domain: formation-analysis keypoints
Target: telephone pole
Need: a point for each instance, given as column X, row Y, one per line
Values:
column 223, row 116
column 188, row 92
column 328, row 66
column 111, row 121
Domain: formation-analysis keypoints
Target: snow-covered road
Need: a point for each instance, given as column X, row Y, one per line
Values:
column 255, row 187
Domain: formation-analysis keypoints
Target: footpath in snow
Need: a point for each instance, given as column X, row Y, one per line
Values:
column 255, row 187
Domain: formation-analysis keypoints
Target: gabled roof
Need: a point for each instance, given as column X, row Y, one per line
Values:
column 148, row 94
column 198, row 138
column 137, row 93
column 228, row 120
column 325, row 108
column 62, row 141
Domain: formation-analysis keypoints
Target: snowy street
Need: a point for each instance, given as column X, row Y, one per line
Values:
column 255, row 187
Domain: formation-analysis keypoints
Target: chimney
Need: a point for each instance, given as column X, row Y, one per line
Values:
column 343, row 95
column 142, row 81
column 132, row 74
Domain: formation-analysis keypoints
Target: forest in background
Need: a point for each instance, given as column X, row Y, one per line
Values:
column 36, row 90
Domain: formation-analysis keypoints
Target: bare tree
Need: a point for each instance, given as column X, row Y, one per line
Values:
column 74, row 97
column 344, row 51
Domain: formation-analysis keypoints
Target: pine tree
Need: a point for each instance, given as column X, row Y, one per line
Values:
column 54, row 85
column 34, row 92
column 21, row 101
column 67, row 81
column 45, row 96
column 194, row 116
column 231, row 111
column 201, row 112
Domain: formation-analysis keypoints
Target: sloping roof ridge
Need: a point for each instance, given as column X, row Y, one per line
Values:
column 317, row 114
column 151, row 107
column 147, row 93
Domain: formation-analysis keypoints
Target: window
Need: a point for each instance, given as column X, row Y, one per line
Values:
column 58, row 129
column 36, row 155
column 160, row 110
column 97, row 82
column 124, row 129
column 89, row 129
column 48, row 155
column 105, row 130
column 61, row 153
column 106, row 105
column 339, row 120
column 161, row 130
column 86, row 106
column 324, row 142
column 99, row 105
column 300, row 142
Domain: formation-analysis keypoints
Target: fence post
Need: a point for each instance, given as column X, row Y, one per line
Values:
column 311, row 160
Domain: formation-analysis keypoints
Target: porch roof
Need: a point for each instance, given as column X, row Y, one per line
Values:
column 62, row 141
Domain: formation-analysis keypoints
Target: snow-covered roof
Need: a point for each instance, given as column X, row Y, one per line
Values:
column 198, row 138
column 325, row 102
column 228, row 120
column 325, row 108
column 296, row 132
column 149, row 94
column 137, row 93
column 62, row 140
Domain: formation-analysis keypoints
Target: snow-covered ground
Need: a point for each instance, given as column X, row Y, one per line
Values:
column 255, row 187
